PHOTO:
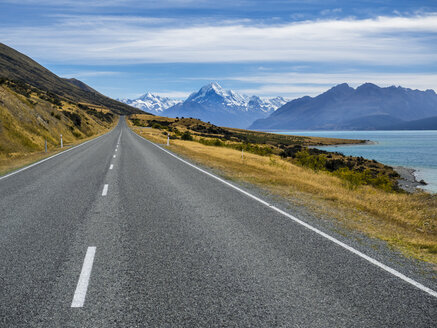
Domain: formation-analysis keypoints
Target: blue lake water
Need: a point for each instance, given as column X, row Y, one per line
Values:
column 413, row 149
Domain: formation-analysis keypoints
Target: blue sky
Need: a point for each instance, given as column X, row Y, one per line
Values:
column 124, row 48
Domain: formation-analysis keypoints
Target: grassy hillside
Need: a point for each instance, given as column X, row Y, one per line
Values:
column 203, row 129
column 16, row 66
column 29, row 116
column 298, row 149
column 407, row 222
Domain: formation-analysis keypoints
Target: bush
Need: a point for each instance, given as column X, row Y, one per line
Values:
column 136, row 122
column 74, row 117
column 108, row 117
column 82, row 106
column 315, row 162
column 187, row 136
column 157, row 126
column 355, row 179
column 291, row 151
column 212, row 142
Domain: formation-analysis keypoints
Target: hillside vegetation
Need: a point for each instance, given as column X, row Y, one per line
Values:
column 406, row 221
column 18, row 67
column 298, row 149
column 29, row 116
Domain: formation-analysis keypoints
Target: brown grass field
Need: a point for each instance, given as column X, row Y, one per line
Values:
column 21, row 159
column 29, row 116
column 407, row 222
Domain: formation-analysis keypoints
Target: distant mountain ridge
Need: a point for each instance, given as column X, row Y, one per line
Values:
column 224, row 107
column 17, row 66
column 151, row 103
column 211, row 103
column 368, row 107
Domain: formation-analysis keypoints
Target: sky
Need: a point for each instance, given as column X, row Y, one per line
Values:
column 124, row 48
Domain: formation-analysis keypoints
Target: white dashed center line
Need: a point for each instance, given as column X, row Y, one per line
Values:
column 111, row 167
column 105, row 190
column 84, row 278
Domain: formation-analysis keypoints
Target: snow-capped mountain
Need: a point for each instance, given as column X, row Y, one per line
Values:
column 266, row 105
column 224, row 107
column 151, row 103
column 213, row 93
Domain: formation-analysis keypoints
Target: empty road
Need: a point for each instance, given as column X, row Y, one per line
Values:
column 119, row 233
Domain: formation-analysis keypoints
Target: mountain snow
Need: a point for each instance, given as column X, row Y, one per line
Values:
column 151, row 103
column 211, row 103
column 213, row 93
column 224, row 107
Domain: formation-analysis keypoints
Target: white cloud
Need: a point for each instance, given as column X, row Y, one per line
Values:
column 103, row 40
column 300, row 84
column 411, row 80
column 83, row 74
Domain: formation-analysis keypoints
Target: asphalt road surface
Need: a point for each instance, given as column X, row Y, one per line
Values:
column 119, row 233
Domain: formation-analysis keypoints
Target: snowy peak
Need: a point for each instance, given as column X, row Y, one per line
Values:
column 214, row 95
column 265, row 105
column 151, row 103
column 211, row 103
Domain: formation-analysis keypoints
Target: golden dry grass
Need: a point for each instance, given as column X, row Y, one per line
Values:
column 26, row 122
column 18, row 160
column 256, row 136
column 407, row 222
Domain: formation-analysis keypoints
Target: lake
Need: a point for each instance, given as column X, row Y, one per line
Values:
column 413, row 149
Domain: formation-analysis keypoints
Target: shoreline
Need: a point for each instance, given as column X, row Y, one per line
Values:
column 408, row 180
column 365, row 143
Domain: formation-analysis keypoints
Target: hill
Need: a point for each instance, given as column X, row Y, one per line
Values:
column 18, row 67
column 368, row 107
column 30, row 116
column 38, row 106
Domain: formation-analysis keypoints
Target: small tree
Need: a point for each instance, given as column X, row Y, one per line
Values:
column 187, row 136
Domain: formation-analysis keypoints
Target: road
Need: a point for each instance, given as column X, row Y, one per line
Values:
column 119, row 233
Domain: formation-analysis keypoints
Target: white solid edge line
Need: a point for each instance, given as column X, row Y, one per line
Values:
column 84, row 278
column 308, row 226
column 46, row 159
column 111, row 166
column 105, row 190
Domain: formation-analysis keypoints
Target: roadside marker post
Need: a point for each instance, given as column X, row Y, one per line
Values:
column 168, row 140
column 62, row 143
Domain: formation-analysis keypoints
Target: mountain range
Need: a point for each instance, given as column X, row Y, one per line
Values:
column 368, row 107
column 151, row 103
column 211, row 103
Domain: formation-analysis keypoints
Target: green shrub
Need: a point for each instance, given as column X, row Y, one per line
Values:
column 355, row 179
column 74, row 117
column 315, row 162
column 187, row 136
column 157, row 126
